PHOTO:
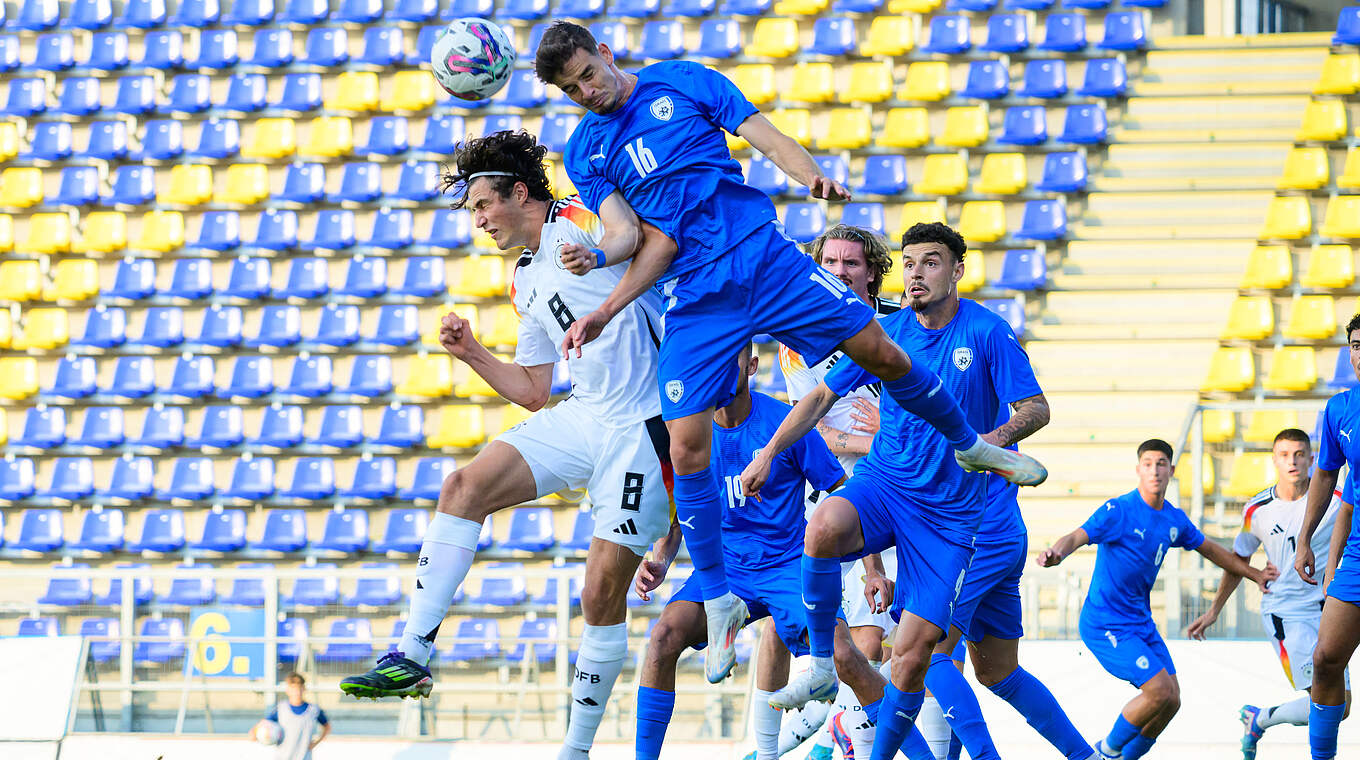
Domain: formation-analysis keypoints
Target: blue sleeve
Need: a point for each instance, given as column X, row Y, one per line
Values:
column 1348, row 491
column 321, row 717
column 846, row 376
column 1190, row 536
column 815, row 460
column 273, row 714
column 1102, row 525
column 1330, row 456
column 716, row 97
column 590, row 185
column 1012, row 376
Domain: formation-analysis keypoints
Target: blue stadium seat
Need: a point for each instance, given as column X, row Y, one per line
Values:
column 865, row 215
column 189, row 93
column 143, row 14
column 833, row 36
column 1044, row 78
column 548, row 597
column 75, row 377
column 191, row 279
column 1084, row 124
column 280, row 326
column 486, row 538
column 133, row 377
column 161, row 641
column 277, row 231
column 79, row 185
column 350, row 640
column 251, row 479
column 221, row 138
column 377, row 592
column 370, row 376
column 833, row 166
column 1124, row 31
column 1022, row 269
column 301, row 93
column 689, row 8
column 415, row 11
column 308, row 276
column 192, row 589
column 338, row 326
column 398, row 325
column 246, row 93
column 103, row 635
column 280, row 427
column 1343, row 375
column 1024, row 125
column 341, row 427
column 477, row 640
column 405, row 528
column 162, row 428
column 360, row 182
column 310, row 377
column 44, row 428
column 318, row 588
column 197, row 13
column 163, row 50
column 531, row 530
column 223, row 427
column 424, row 276
column 218, row 231
column 382, row 46
column 1029, row 5
column 505, row 122
column 130, row 480
column 1105, row 78
column 424, row 51
column 449, row 228
column 1064, row 33
column 50, row 141
column 974, row 6
column 465, row 8
column 27, row 96
column 393, row 229
column 579, row 9
column 305, row 12
column 765, row 176
column 36, row 15
column 131, row 186
column 285, row 530
column 402, row 426
column 68, row 586
column 556, row 129
column 503, row 587
column 418, row 181
column 948, row 35
column 102, row 428
column 105, row 327
column 216, row 50
column 249, row 13
column 192, row 377
column 582, row 531
column 248, row 278
column 292, row 636
column 162, row 531
column 9, row 52
column 17, row 478
column 718, row 38
column 1043, row 220
column 524, row 90
column 615, row 35
column 40, row 530
column 101, row 531
column 1348, row 27
column 636, row 8
column 987, row 80
column 246, row 591
column 374, row 478
column 79, row 96
column 804, row 221
column 541, row 635
column 108, row 51
column 884, row 175
column 1006, row 33
column 346, row 531
column 359, row 11
column 535, row 37
column 108, row 141
column 526, row 10
column 744, row 7
column 224, row 530
column 39, row 627
column 57, row 51
column 387, row 136
column 91, row 15
column 191, row 479
column 661, row 40
column 1063, row 173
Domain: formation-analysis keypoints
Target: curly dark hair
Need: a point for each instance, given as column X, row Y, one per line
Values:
column 515, row 152
column 936, row 232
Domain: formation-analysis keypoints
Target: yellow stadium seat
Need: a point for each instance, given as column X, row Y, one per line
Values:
column 6, row 233
column 1305, row 168
column 20, row 280
column 1251, row 473
column 328, row 137
column 190, row 185
column 912, row 6
column 847, row 128
column 1003, row 174
column 1184, row 476
column 512, row 415
column 459, row 426
column 480, row 276
column 905, row 128
column 870, row 82
column 1340, row 75
column 944, row 174
column 982, row 221
column 1323, row 121
column 927, row 80
column 1288, row 218
column 1265, row 424
column 919, row 212
column 1268, row 266
column 889, row 36
column 1250, row 318
column 1312, row 318
column 774, row 38
column 6, row 329
column 1292, row 368
column 813, row 82
column 504, row 327
column 46, row 328
column 1218, row 425
column 102, row 232
column 1330, row 266
column 735, row 143
column 474, row 386
column 794, row 122
column 409, row 90
column 1343, row 217
column 21, row 186
column 9, row 140
column 427, row 375
column 892, row 285
column 272, row 138
column 800, row 7
column 562, row 185
column 162, row 231
column 1350, row 171
column 246, row 184
column 1231, row 369
column 974, row 272
column 354, row 91
column 756, row 82
column 48, row 233
column 18, row 377
column 965, row 126
column 75, row 280
column 483, row 241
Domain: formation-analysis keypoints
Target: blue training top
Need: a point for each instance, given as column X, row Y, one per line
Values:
column 1337, row 447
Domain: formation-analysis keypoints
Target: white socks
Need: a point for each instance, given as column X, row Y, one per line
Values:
column 934, row 727
column 598, row 663
column 855, row 723
column 445, row 556
column 766, row 723
column 1294, row 713
column 801, row 725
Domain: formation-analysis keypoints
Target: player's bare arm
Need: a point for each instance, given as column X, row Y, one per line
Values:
column 529, row 387
column 1229, row 560
column 1320, row 491
column 790, row 157
column 648, row 264
column 802, row 419
column 651, row 572
column 1062, row 548
column 1226, row 587
column 1028, row 416
column 622, row 236
column 1340, row 531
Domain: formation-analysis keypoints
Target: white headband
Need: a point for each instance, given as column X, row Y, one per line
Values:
column 489, row 174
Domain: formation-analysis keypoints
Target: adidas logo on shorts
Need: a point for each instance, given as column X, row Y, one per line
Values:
column 627, row 528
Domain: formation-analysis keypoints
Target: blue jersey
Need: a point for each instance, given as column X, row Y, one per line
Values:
column 1134, row 539
column 1337, row 446
column 665, row 151
column 983, row 366
column 763, row 533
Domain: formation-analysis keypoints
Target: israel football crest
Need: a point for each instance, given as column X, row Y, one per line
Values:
column 963, row 358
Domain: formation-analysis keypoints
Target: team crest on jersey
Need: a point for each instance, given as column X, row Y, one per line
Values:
column 675, row 390
column 1174, row 533
column 963, row 358
column 663, row 108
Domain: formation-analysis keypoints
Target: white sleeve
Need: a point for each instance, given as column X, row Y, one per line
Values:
column 800, row 380
column 1246, row 544
column 535, row 347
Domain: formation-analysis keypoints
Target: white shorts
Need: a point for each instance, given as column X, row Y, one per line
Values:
column 1293, row 639
column 856, row 607
column 624, row 470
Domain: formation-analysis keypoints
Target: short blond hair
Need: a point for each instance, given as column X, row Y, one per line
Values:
column 876, row 255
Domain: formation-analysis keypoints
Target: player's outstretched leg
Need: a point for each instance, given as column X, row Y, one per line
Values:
column 1338, row 636
column 497, row 478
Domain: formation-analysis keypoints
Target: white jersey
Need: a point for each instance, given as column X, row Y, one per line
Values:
column 615, row 377
column 1274, row 523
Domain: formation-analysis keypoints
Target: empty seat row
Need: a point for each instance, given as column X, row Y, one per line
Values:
column 1290, row 217
column 1329, row 267
column 1293, row 369
column 1311, row 317
column 1309, row 168
column 943, row 174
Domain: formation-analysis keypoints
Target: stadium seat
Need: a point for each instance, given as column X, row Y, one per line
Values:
column 130, row 480
column 804, row 221
column 72, row 480
column 334, row 231
column 1104, row 78
column 314, row 477
column 189, row 94
column 477, row 640
column 356, row 91
column 1265, row 424
column 756, row 82
column 350, row 640
column 869, row 82
column 328, row 137
column 458, row 426
column 382, row 47
column 21, row 186
column 26, row 96
column 556, row 129
column 346, row 531
column 1043, row 220
column 1251, row 473
column 160, row 641
column 1231, row 369
column 1006, row 33
column 91, row 15
column 219, row 231
column 285, row 530
column 1022, row 269
column 531, row 530
column 1312, row 317
column 217, row 50
column 16, row 479
column 280, row 427
column 304, row 12
column 222, row 427
column 108, row 51
column 247, row 591
column 833, row 36
column 944, row 174
column 927, row 80
column 224, row 530
column 51, row 141
column 377, row 592
column 503, row 586
column 341, row 427
column 1340, row 75
column 47, row 234
column 40, row 530
column 131, row 186
column 397, row 325
column 428, row 479
column 103, row 635
column 9, row 131
column 611, row 33
column 36, row 15
column 338, row 326
column 308, row 277
column 1044, row 78
column 401, row 426
column 20, row 280
column 251, row 377
column 884, row 175
column 371, row 376
column 537, row 639
column 987, row 80
column 1084, row 124
column 718, row 39
column 133, row 377
column 102, row 428
column 9, row 52
column 44, row 428
column 374, row 478
column 1249, row 318
column 1323, row 121
column 865, row 215
column 1348, row 27
column 416, row 11
column 417, row 182
column 387, row 136
column 162, row 530
column 948, row 35
column 311, row 376
column 1287, row 218
column 1063, row 173
column 249, row 13
column 774, row 38
column 301, row 93
column 36, row 626
column 1270, row 267
column 1342, row 217
column 360, row 182
column 661, row 40
column 18, row 377
column 1002, row 174
column 104, row 232
column 325, row 47
column 162, row 327
column 75, row 280
column 1064, row 33
column 1330, row 266
column 1124, row 31
column 303, row 184
column 964, row 127
column 75, row 377
column 405, row 528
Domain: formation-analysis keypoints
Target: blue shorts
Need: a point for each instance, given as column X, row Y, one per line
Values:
column 1133, row 654
column 931, row 561
column 1345, row 583
column 774, row 592
column 989, row 602
column 764, row 285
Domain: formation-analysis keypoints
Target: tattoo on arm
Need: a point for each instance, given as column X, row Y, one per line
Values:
column 1028, row 416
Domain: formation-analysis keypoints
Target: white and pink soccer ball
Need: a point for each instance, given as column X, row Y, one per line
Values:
column 472, row 59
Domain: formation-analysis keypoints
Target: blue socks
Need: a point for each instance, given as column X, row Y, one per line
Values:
column 955, row 748
column 921, row 393
column 1323, row 723
column 699, row 508
column 1122, row 733
column 871, row 710
column 1138, row 746
column 654, row 708
column 897, row 718
column 1035, row 702
column 822, row 598
column 960, row 707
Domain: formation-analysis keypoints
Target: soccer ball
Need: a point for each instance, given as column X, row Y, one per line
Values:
column 269, row 733
column 472, row 58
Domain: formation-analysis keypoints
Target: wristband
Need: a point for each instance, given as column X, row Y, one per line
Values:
column 599, row 257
